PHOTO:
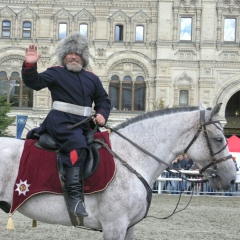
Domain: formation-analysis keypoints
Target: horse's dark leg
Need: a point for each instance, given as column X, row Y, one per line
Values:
column 5, row 206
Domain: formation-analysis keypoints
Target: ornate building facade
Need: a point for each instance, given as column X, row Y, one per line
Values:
column 182, row 52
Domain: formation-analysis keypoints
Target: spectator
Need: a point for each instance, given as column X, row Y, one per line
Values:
column 189, row 162
column 166, row 174
column 186, row 164
column 234, row 187
column 175, row 166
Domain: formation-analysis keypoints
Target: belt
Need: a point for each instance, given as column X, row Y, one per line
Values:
column 72, row 108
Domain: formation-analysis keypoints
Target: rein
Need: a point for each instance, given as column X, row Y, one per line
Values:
column 202, row 127
column 125, row 164
column 153, row 156
column 137, row 146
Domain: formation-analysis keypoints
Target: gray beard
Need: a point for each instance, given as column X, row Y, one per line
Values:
column 74, row 68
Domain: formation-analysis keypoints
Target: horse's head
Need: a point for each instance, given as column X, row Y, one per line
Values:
column 209, row 150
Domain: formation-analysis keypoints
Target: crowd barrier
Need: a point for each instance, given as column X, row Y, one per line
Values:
column 172, row 183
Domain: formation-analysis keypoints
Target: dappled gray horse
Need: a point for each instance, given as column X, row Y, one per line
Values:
column 160, row 137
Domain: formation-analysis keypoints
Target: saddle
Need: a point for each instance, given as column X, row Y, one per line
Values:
column 46, row 142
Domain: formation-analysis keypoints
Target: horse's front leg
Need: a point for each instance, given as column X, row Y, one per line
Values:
column 117, row 230
column 129, row 235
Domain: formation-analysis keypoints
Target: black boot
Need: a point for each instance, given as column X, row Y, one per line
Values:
column 74, row 189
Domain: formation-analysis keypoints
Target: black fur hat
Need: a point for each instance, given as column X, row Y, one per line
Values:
column 74, row 43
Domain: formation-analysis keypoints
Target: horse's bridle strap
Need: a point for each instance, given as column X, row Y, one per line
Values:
column 201, row 127
column 202, row 123
column 194, row 138
column 213, row 162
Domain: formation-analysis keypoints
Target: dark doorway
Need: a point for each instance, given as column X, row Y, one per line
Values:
column 232, row 115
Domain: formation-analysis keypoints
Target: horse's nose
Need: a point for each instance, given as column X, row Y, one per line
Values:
column 229, row 185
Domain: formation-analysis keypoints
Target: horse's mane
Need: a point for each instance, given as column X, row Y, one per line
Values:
column 153, row 114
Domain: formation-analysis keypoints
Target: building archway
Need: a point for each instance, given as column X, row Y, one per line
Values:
column 229, row 90
column 232, row 115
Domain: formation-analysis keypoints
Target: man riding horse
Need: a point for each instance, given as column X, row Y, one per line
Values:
column 73, row 91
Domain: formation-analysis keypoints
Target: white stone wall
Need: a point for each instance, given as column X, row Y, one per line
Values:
column 207, row 67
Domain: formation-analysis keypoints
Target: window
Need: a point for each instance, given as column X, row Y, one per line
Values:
column 6, row 29
column 3, row 83
column 114, row 91
column 183, row 98
column 139, row 33
column 115, row 77
column 15, row 89
column 139, row 94
column 127, row 95
column 16, row 92
column 62, row 31
column 27, row 28
column 229, row 29
column 27, row 96
column 119, row 33
column 84, row 29
column 186, row 29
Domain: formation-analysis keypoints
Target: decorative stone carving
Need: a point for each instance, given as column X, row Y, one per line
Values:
column 184, row 79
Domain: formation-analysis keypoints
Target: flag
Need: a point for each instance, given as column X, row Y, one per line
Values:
column 20, row 123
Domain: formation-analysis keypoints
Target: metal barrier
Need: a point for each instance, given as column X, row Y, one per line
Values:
column 172, row 183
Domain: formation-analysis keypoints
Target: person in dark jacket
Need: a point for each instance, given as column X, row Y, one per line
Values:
column 73, row 91
column 175, row 166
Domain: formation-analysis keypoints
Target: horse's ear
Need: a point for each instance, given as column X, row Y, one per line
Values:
column 215, row 110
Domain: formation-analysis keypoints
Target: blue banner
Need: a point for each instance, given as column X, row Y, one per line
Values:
column 20, row 124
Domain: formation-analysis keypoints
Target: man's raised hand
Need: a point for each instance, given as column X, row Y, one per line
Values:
column 31, row 54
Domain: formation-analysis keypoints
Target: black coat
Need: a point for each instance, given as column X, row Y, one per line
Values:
column 83, row 88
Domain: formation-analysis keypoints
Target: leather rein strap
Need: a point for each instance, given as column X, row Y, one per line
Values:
column 202, row 127
column 125, row 164
column 137, row 146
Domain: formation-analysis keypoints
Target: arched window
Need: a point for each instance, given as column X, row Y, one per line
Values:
column 139, row 94
column 114, row 92
column 115, row 77
column 26, row 96
column 15, row 91
column 127, row 95
column 3, row 83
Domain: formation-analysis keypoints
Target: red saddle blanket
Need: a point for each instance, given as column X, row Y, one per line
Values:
column 38, row 173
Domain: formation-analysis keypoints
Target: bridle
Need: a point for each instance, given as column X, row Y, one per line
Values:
column 202, row 127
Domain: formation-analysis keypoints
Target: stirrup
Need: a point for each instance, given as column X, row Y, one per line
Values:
column 83, row 212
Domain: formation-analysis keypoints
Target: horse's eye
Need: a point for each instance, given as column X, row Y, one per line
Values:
column 218, row 139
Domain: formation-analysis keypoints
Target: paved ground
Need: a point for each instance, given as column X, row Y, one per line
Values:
column 207, row 217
